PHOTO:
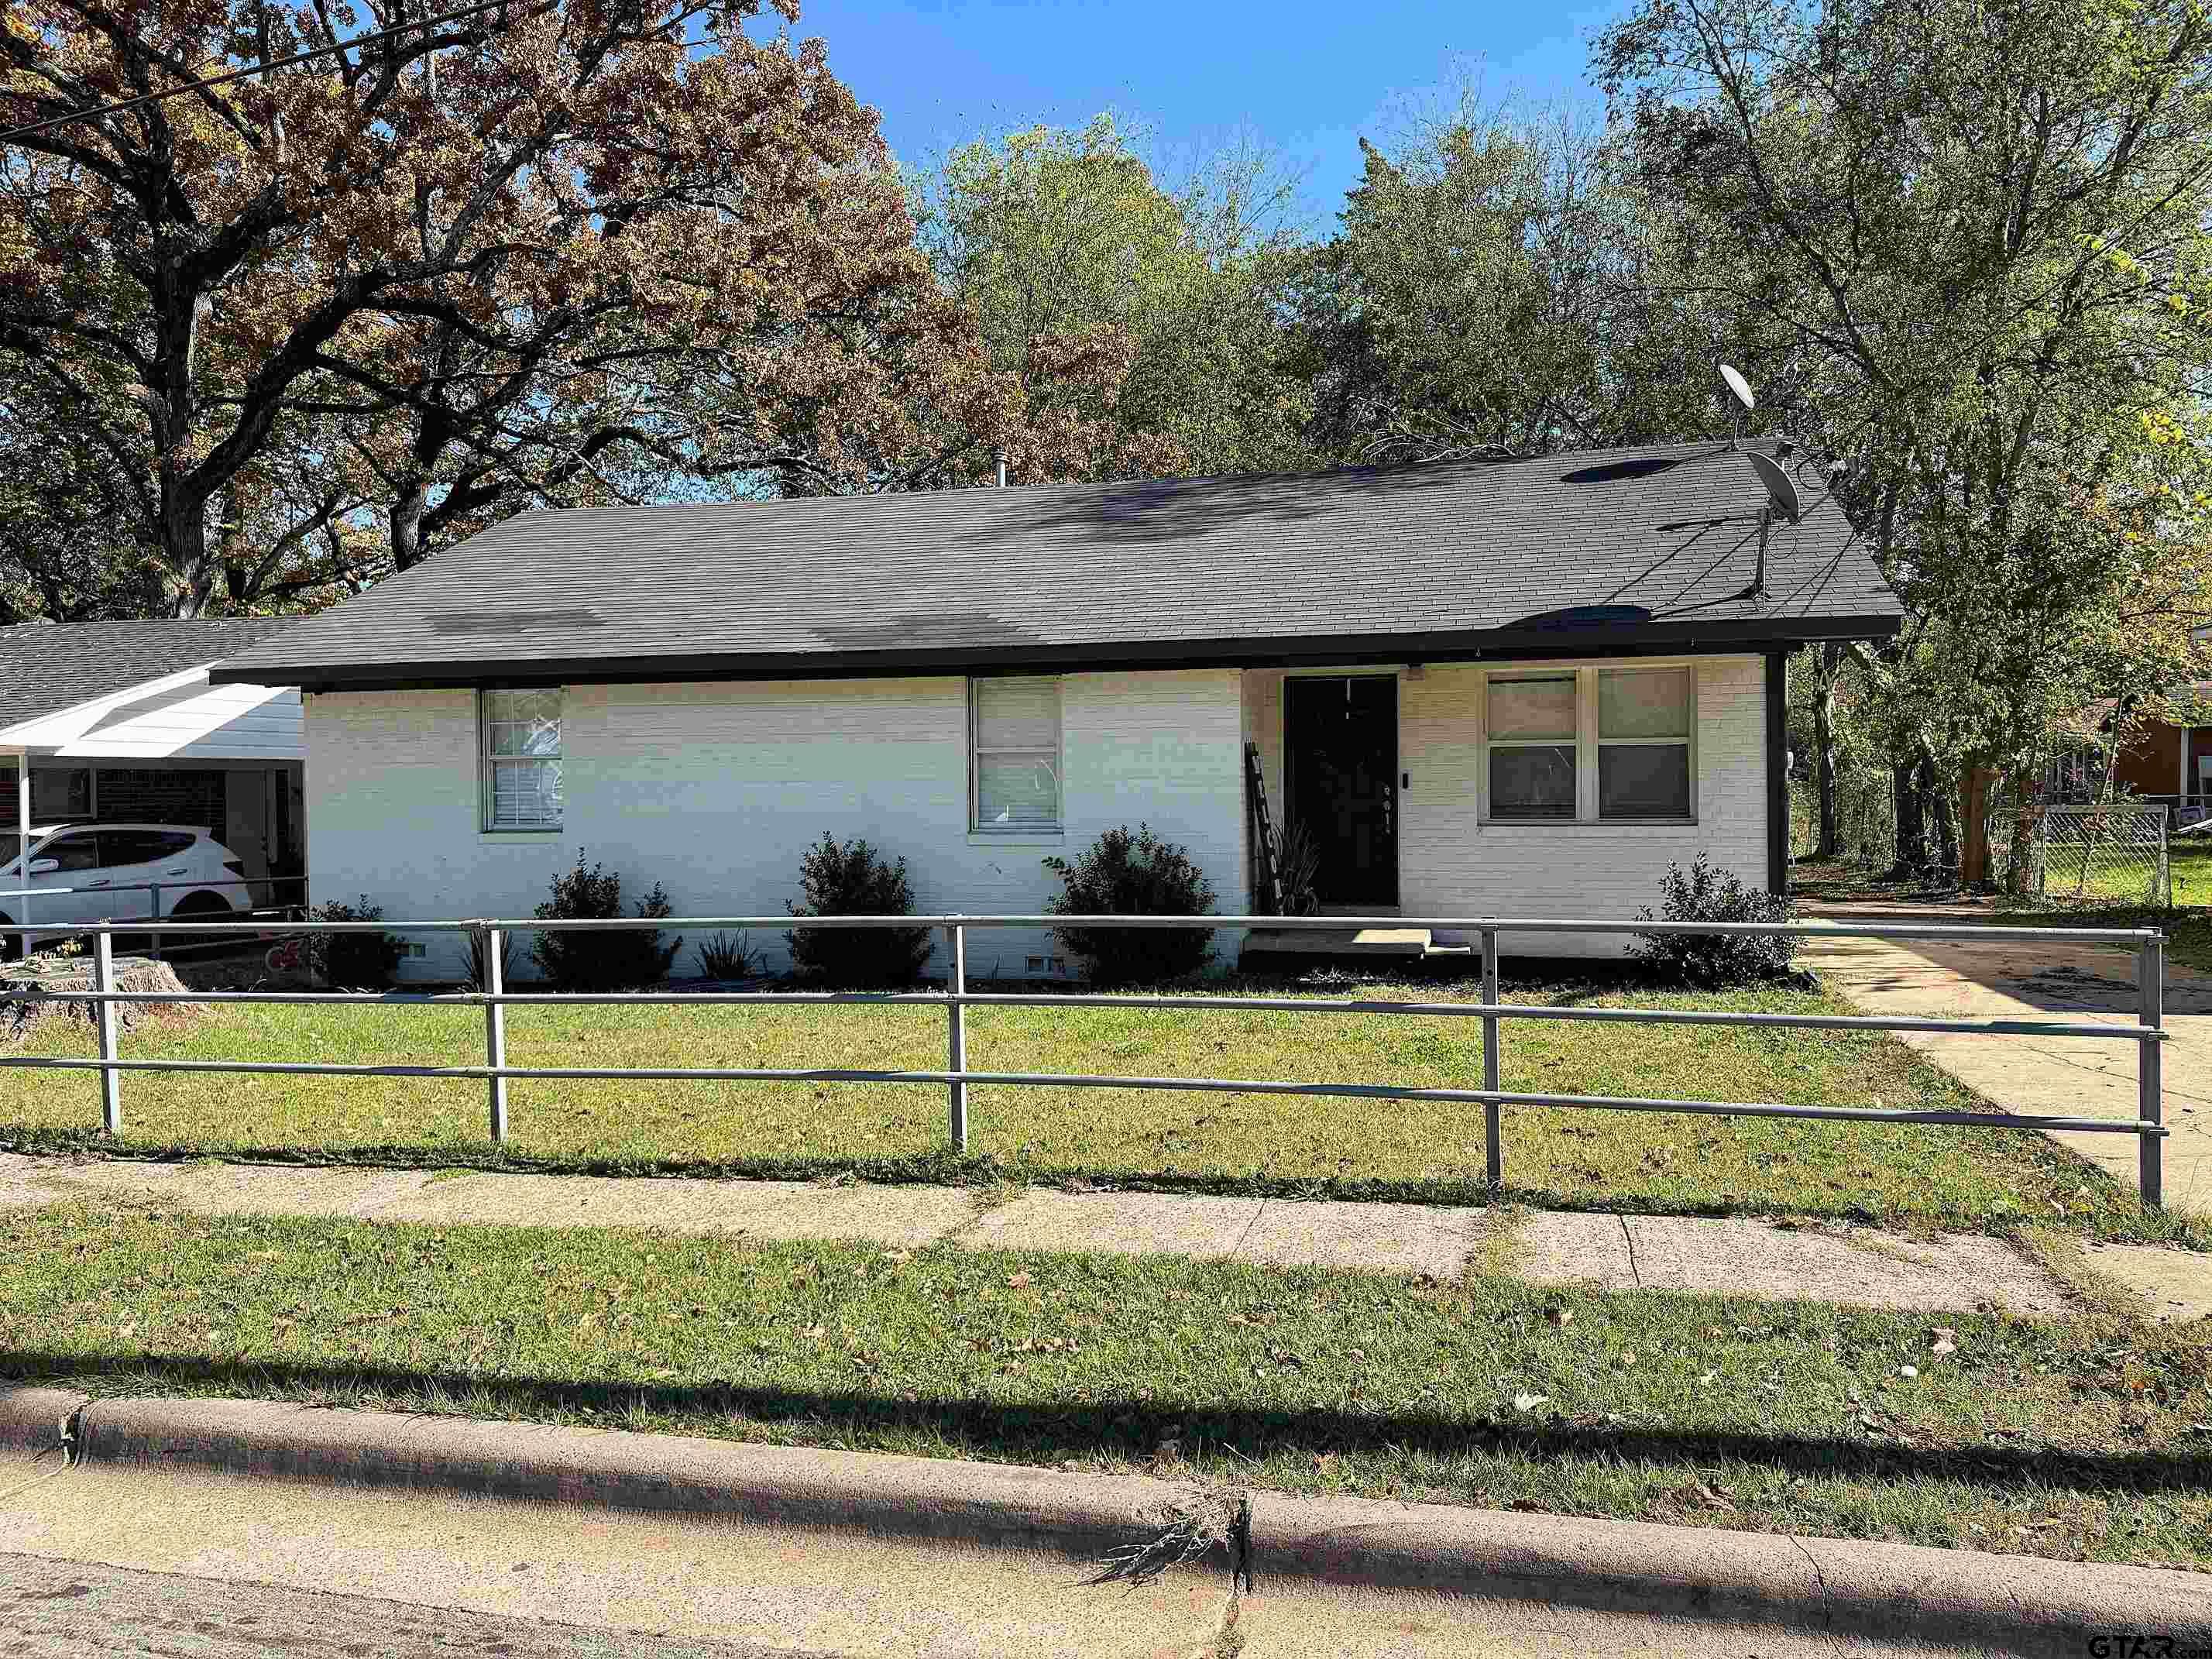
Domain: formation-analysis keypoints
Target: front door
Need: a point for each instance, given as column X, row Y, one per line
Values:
column 1340, row 751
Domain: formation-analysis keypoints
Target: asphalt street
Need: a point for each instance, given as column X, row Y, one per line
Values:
column 79, row 1610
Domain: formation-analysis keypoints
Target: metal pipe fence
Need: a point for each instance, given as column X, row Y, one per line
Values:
column 2146, row 1032
column 244, row 886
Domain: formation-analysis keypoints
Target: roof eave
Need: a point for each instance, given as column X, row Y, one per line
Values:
column 1644, row 639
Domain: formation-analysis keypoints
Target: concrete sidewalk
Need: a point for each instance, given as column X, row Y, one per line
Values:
column 2078, row 1077
column 1861, row 1266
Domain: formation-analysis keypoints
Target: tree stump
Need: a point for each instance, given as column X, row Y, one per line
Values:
column 50, row 980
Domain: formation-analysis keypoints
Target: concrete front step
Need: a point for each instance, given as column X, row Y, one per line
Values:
column 1334, row 942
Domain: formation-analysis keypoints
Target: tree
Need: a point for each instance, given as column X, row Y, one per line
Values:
column 427, row 271
column 1496, row 287
column 1985, row 235
column 1142, row 322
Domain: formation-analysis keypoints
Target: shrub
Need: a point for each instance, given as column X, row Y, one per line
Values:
column 354, row 962
column 1711, row 961
column 1298, row 866
column 726, row 956
column 851, row 880
column 617, row 959
column 1138, row 875
column 478, row 977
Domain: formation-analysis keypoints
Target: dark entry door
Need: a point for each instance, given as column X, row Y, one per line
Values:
column 1341, row 749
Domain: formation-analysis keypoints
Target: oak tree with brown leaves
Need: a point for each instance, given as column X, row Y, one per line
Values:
column 423, row 282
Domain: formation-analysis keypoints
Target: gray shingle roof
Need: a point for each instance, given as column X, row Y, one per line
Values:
column 1658, row 542
column 45, row 667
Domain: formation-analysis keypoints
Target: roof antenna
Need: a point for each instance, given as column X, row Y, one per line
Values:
column 1741, row 389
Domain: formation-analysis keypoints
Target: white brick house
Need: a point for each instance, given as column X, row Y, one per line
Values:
column 1484, row 689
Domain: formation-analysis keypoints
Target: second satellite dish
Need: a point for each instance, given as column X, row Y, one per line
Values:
column 1739, row 386
column 1781, row 489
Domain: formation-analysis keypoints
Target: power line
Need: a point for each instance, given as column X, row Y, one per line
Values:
column 254, row 68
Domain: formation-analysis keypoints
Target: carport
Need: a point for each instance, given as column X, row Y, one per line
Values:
column 116, row 721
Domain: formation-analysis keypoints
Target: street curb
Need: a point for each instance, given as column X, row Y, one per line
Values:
column 35, row 1422
column 2019, row 1604
column 1079, row 1515
column 2024, row 1604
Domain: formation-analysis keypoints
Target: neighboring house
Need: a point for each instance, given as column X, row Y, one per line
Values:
column 1515, row 688
column 2162, row 761
column 116, row 721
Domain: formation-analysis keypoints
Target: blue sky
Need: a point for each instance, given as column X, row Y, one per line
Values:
column 1311, row 79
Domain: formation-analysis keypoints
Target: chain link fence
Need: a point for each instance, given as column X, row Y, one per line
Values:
column 2112, row 853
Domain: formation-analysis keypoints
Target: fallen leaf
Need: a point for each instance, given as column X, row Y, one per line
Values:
column 1562, row 1317
column 1019, row 1281
column 1908, row 1370
column 1528, row 1402
column 1947, row 1340
column 811, row 1330
column 1628, row 1356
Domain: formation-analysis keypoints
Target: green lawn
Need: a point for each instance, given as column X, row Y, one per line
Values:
column 1349, row 1147
column 2121, row 877
column 2085, row 1438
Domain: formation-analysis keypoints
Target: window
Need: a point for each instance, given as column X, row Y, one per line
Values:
column 69, row 852
column 1014, row 770
column 522, row 760
column 57, row 794
column 1591, row 744
column 121, row 846
column 1532, row 747
column 1643, row 743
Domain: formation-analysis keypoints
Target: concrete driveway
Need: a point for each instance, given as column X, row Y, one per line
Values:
column 2076, row 1077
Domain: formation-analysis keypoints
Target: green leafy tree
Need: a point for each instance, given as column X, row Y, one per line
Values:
column 1142, row 321
column 1499, row 285
column 1983, row 235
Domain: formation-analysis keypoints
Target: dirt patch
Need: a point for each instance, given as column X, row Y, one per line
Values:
column 38, row 992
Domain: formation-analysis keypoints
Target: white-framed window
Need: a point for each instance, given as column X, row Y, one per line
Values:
column 521, row 759
column 1644, row 721
column 1590, row 745
column 1013, row 749
column 1533, row 766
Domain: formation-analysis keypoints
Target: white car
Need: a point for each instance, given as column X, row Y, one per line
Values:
column 114, row 872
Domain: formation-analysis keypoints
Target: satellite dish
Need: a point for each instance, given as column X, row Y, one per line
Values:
column 1780, row 489
column 1739, row 386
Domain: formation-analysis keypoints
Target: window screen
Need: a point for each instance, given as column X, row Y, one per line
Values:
column 1644, row 717
column 522, row 760
column 1015, row 728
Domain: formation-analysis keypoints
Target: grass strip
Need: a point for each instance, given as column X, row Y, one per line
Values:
column 2089, row 1439
column 1961, row 1179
